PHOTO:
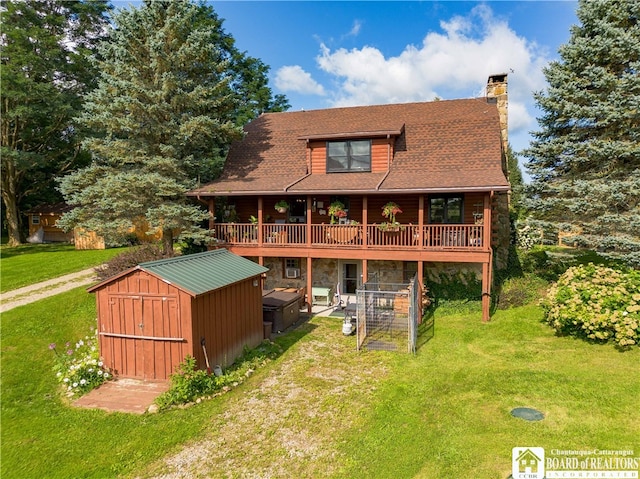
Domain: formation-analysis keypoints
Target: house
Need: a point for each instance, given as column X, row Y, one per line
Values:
column 152, row 316
column 304, row 193
column 528, row 462
column 42, row 224
column 43, row 228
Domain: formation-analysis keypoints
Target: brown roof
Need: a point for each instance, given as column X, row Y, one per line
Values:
column 441, row 145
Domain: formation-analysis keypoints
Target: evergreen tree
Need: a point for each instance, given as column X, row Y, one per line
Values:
column 172, row 95
column 45, row 70
column 585, row 160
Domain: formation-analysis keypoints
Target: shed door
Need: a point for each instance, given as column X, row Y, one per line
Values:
column 142, row 336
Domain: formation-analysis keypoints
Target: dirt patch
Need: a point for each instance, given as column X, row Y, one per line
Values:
column 285, row 426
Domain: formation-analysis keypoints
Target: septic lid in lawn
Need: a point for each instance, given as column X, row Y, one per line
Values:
column 527, row 414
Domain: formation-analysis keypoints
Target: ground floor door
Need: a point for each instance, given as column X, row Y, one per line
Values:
column 351, row 276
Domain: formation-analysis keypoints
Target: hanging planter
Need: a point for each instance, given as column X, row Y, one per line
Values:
column 390, row 210
column 337, row 211
column 282, row 206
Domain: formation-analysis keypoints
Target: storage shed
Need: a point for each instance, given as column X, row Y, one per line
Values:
column 152, row 316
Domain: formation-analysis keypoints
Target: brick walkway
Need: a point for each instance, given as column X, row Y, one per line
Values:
column 123, row 395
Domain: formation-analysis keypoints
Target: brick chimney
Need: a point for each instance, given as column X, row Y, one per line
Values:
column 497, row 93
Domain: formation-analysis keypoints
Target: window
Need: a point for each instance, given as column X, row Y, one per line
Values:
column 445, row 209
column 291, row 268
column 35, row 220
column 348, row 156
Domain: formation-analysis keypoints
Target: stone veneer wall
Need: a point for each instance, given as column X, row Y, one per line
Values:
column 497, row 92
column 501, row 230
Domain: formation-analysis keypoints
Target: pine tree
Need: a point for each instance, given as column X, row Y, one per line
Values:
column 45, row 71
column 172, row 94
column 585, row 160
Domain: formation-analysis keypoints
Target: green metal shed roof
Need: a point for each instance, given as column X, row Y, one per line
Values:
column 202, row 272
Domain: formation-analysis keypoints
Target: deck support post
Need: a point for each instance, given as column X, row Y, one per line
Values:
column 309, row 283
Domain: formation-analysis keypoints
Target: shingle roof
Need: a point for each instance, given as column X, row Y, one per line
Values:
column 445, row 144
column 198, row 273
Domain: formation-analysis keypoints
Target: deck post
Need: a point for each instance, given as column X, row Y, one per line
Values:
column 486, row 292
column 309, row 284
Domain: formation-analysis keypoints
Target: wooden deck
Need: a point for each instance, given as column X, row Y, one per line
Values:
column 410, row 237
column 123, row 395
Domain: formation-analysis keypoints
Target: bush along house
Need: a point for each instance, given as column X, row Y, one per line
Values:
column 328, row 197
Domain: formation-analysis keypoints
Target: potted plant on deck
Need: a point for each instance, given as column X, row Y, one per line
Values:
column 282, row 206
column 336, row 211
column 389, row 211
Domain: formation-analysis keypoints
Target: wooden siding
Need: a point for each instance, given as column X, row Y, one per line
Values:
column 141, row 324
column 47, row 221
column 147, row 327
column 247, row 206
column 229, row 319
column 381, row 153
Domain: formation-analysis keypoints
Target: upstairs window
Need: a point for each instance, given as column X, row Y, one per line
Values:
column 445, row 209
column 353, row 155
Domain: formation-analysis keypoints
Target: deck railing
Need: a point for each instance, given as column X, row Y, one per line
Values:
column 468, row 237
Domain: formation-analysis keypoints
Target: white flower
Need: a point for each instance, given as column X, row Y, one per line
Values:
column 75, row 385
column 90, row 370
column 58, row 374
column 83, row 381
column 100, row 363
column 106, row 375
column 99, row 372
column 66, row 380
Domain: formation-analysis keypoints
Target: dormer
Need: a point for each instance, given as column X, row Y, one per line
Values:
column 351, row 152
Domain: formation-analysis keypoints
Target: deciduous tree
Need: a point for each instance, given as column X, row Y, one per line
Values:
column 45, row 70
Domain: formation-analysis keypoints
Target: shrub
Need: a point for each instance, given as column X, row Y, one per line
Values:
column 597, row 303
column 189, row 383
column 79, row 368
column 131, row 258
column 520, row 290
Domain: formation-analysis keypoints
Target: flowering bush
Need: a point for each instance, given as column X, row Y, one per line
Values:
column 597, row 303
column 78, row 367
column 189, row 383
column 528, row 235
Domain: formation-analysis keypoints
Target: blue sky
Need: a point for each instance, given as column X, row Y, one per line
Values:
column 325, row 54
column 336, row 53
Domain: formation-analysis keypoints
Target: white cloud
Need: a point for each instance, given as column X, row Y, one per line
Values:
column 453, row 64
column 294, row 79
column 357, row 25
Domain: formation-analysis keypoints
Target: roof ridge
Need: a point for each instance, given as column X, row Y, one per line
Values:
column 186, row 257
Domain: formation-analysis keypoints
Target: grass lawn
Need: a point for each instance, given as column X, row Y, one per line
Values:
column 28, row 264
column 323, row 409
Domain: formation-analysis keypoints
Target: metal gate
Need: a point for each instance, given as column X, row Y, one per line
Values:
column 387, row 315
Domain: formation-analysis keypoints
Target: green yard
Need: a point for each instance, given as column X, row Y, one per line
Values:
column 324, row 410
column 30, row 264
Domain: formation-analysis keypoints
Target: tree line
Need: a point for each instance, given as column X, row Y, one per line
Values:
column 122, row 112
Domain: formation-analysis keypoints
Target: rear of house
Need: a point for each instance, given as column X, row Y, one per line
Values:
column 442, row 163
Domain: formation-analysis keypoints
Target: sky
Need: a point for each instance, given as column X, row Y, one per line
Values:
column 326, row 54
